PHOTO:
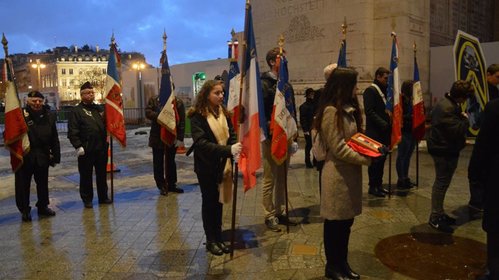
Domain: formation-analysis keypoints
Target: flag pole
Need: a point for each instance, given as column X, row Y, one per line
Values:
column 417, row 143
column 112, row 45
column 165, row 147
column 286, row 162
column 240, row 120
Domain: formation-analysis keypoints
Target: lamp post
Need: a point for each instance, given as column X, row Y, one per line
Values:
column 38, row 66
column 138, row 67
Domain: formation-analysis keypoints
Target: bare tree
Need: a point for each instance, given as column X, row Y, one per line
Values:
column 97, row 77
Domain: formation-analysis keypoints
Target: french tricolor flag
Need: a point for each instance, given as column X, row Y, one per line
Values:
column 252, row 129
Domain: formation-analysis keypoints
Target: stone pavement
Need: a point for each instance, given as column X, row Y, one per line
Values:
column 147, row 236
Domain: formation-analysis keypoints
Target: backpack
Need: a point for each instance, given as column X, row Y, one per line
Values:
column 318, row 148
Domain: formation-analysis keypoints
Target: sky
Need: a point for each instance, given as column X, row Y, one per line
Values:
column 197, row 30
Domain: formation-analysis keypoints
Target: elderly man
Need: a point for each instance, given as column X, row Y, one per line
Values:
column 44, row 151
column 87, row 134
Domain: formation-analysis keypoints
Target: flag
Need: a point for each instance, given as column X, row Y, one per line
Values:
column 418, row 111
column 115, row 122
column 234, row 84
column 393, row 103
column 168, row 116
column 16, row 131
column 252, row 130
column 342, row 56
column 283, row 124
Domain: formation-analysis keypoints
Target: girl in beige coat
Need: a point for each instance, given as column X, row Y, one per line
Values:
column 338, row 118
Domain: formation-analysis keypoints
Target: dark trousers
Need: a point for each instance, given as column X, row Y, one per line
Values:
column 23, row 185
column 404, row 153
column 86, row 164
column 445, row 166
column 476, row 194
column 336, row 237
column 493, row 254
column 211, row 209
column 308, row 148
column 375, row 172
column 159, row 157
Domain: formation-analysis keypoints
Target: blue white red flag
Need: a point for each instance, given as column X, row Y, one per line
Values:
column 16, row 131
column 283, row 123
column 252, row 129
column 342, row 56
column 418, row 110
column 234, row 86
column 115, row 122
column 168, row 116
column 393, row 98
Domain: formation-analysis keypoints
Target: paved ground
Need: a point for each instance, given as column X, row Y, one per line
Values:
column 147, row 236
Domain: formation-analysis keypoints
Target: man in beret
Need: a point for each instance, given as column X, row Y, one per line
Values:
column 44, row 151
column 87, row 134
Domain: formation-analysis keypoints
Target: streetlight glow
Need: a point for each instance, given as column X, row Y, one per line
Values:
column 38, row 65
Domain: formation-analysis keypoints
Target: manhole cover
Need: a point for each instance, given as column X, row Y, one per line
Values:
column 433, row 256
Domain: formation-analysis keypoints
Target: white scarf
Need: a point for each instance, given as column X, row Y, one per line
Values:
column 379, row 92
column 220, row 129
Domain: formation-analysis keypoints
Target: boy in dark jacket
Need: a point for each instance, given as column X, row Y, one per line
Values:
column 449, row 125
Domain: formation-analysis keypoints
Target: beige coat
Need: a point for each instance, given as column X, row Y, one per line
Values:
column 341, row 196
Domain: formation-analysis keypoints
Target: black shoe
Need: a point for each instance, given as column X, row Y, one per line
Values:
column 284, row 220
column 441, row 224
column 309, row 165
column 213, row 248
column 45, row 211
column 163, row 191
column 451, row 221
column 175, row 190
column 347, row 270
column 376, row 192
column 404, row 185
column 26, row 216
column 475, row 208
column 273, row 224
column 226, row 249
column 335, row 274
column 105, row 201
column 383, row 190
column 88, row 204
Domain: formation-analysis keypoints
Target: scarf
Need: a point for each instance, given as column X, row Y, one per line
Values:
column 220, row 129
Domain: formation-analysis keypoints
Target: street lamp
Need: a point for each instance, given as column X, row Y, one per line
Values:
column 38, row 65
column 138, row 67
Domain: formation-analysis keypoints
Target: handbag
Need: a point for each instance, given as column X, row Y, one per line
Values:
column 318, row 148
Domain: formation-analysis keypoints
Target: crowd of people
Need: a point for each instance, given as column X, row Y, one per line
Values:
column 332, row 111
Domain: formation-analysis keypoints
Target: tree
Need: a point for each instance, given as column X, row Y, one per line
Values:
column 97, row 77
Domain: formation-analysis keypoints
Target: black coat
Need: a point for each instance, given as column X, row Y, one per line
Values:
column 152, row 112
column 378, row 124
column 484, row 165
column 45, row 149
column 209, row 156
column 307, row 115
column 448, row 128
column 86, row 128
column 493, row 92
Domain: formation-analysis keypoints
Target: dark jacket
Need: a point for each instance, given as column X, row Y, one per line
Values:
column 45, row 149
column 152, row 112
column 209, row 156
column 307, row 115
column 448, row 128
column 378, row 124
column 86, row 128
column 484, row 164
column 269, row 85
column 493, row 92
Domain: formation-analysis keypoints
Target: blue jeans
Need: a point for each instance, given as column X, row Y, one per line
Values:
column 404, row 153
column 445, row 166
